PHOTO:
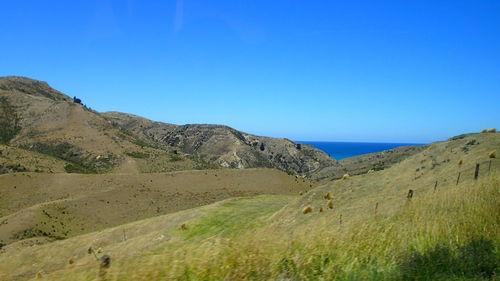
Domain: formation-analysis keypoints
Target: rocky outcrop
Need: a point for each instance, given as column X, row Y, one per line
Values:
column 227, row 147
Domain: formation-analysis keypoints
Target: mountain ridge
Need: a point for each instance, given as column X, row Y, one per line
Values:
column 103, row 141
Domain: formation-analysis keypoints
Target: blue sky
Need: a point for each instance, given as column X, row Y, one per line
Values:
column 397, row 71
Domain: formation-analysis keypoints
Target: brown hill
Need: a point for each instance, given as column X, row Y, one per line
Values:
column 41, row 119
column 56, row 206
column 52, row 124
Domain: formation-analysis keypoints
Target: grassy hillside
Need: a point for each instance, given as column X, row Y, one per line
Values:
column 455, row 225
column 57, row 206
column 41, row 120
column 14, row 159
column 448, row 231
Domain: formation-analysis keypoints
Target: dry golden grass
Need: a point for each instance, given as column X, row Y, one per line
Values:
column 226, row 243
column 368, row 249
column 67, row 205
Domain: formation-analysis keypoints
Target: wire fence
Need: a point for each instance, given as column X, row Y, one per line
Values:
column 474, row 171
column 464, row 174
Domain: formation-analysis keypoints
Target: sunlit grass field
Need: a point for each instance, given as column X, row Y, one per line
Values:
column 451, row 234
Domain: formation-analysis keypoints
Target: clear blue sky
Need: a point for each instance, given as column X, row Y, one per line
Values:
column 401, row 71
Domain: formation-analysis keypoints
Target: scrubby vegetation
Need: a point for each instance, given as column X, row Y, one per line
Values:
column 141, row 143
column 77, row 163
column 79, row 169
column 175, row 158
column 34, row 232
column 9, row 121
column 64, row 151
column 4, row 169
column 138, row 154
column 474, row 260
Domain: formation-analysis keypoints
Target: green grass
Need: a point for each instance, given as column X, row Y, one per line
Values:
column 235, row 217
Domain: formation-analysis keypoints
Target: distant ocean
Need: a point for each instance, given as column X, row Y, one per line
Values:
column 340, row 150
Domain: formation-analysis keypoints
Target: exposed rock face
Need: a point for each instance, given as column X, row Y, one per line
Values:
column 226, row 146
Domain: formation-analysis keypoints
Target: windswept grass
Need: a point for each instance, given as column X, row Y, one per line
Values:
column 452, row 234
column 235, row 217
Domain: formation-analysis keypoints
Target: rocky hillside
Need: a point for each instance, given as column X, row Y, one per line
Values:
column 47, row 121
column 226, row 146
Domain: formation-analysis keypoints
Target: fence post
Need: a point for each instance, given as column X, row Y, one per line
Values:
column 435, row 186
column 489, row 167
column 476, row 173
column 340, row 219
column 376, row 208
column 458, row 178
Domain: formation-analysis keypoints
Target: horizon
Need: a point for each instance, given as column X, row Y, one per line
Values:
column 360, row 71
column 367, row 142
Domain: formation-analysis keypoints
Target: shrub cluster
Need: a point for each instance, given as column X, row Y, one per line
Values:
column 9, row 121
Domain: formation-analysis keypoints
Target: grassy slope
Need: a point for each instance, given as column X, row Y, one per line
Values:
column 14, row 159
column 377, row 248
column 268, row 238
column 66, row 205
column 82, row 138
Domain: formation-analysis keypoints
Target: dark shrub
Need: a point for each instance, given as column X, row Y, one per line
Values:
column 79, row 169
column 77, row 100
column 137, row 154
column 476, row 259
column 425, row 266
column 9, row 121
